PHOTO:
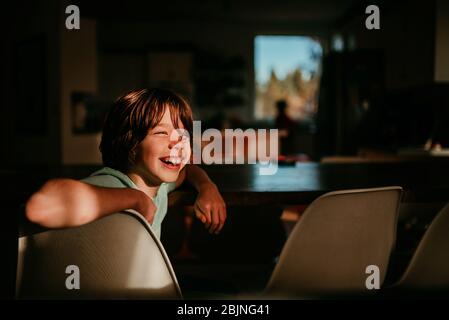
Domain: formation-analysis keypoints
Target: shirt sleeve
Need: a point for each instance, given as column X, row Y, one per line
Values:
column 104, row 181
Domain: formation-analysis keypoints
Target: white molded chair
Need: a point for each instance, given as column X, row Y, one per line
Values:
column 429, row 267
column 118, row 257
column 338, row 236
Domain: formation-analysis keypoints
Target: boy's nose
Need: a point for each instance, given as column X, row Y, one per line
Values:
column 173, row 141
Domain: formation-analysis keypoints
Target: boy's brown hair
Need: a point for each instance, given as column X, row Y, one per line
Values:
column 131, row 117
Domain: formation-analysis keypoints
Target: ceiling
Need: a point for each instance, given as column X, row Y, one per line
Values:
column 257, row 11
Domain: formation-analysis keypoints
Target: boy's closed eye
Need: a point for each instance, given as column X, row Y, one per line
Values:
column 161, row 132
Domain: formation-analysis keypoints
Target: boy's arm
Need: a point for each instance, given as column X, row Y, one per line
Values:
column 68, row 203
column 209, row 206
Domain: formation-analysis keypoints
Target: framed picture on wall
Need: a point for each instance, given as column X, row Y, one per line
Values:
column 88, row 112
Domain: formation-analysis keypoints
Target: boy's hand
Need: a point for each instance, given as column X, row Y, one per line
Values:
column 146, row 207
column 210, row 207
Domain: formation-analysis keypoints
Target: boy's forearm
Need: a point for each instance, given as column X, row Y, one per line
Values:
column 197, row 177
column 67, row 203
column 111, row 200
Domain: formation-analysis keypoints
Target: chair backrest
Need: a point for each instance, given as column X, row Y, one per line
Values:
column 429, row 267
column 117, row 257
column 338, row 236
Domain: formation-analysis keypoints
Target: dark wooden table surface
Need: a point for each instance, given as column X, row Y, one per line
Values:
column 304, row 182
column 422, row 181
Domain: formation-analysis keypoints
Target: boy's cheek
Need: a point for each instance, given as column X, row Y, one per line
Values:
column 186, row 155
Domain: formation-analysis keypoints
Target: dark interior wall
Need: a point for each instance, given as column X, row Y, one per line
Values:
column 123, row 48
column 30, row 112
column 224, row 28
column 223, row 39
column 442, row 41
column 407, row 36
column 227, row 28
column 381, row 91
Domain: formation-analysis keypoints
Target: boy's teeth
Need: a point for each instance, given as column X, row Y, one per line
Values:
column 172, row 161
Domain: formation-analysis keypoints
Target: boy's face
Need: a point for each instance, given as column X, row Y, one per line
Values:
column 162, row 154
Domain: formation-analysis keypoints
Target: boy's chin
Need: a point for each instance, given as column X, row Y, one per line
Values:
column 171, row 177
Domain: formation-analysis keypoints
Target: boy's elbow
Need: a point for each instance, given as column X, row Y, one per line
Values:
column 35, row 210
column 58, row 204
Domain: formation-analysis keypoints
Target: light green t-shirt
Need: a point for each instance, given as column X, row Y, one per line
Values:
column 111, row 178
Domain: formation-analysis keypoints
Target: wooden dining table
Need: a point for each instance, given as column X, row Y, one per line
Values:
column 301, row 183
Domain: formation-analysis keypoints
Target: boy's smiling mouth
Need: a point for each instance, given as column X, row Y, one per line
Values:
column 171, row 163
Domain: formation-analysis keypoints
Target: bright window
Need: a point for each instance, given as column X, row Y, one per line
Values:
column 287, row 67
